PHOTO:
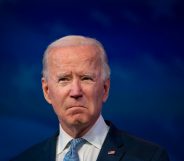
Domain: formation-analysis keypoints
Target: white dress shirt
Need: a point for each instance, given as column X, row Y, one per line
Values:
column 90, row 150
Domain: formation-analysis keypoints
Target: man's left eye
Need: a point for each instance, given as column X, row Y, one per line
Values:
column 87, row 78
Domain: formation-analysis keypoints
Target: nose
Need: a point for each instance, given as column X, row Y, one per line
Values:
column 76, row 90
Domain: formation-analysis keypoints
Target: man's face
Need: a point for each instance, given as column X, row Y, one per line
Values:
column 75, row 86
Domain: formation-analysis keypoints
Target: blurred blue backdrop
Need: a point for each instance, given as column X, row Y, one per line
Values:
column 145, row 43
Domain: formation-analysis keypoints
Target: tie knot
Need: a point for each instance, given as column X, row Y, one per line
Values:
column 72, row 154
column 75, row 143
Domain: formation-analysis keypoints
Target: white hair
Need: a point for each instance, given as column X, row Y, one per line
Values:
column 76, row 40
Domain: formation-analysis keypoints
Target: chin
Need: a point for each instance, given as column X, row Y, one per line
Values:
column 79, row 120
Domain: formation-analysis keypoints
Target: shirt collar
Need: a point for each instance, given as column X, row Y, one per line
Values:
column 63, row 140
column 95, row 136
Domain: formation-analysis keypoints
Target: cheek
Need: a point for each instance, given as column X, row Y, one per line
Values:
column 56, row 97
column 97, row 95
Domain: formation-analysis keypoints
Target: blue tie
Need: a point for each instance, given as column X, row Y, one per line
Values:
column 72, row 154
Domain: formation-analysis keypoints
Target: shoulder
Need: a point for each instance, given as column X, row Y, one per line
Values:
column 40, row 151
column 135, row 146
column 144, row 149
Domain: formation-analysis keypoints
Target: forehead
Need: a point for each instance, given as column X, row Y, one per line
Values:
column 74, row 55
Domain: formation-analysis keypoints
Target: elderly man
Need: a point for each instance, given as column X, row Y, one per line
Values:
column 76, row 82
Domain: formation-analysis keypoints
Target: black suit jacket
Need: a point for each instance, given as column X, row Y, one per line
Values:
column 118, row 146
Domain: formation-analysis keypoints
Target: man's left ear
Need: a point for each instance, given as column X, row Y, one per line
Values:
column 106, row 89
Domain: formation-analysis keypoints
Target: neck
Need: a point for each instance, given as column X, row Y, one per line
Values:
column 77, row 130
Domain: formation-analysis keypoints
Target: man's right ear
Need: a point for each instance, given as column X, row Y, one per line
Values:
column 45, row 89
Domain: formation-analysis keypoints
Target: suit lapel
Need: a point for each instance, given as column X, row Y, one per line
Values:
column 49, row 149
column 113, row 148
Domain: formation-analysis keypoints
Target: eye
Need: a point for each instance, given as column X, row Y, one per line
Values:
column 87, row 78
column 64, row 79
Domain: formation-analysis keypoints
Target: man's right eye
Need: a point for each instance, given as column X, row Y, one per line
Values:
column 64, row 79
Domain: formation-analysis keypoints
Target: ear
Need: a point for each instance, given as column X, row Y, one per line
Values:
column 106, row 89
column 45, row 89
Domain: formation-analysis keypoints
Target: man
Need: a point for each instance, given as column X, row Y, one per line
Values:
column 76, row 82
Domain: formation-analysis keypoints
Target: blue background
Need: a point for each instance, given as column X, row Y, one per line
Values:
column 145, row 43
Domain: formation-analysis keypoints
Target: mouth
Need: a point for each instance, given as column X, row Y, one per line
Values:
column 75, row 109
column 75, row 106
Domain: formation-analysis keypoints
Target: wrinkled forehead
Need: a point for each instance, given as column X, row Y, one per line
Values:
column 80, row 57
column 86, row 53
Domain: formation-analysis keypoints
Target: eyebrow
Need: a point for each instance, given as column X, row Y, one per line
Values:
column 88, row 74
column 63, row 74
column 66, row 74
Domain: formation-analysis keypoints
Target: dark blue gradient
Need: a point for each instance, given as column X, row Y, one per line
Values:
column 145, row 44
